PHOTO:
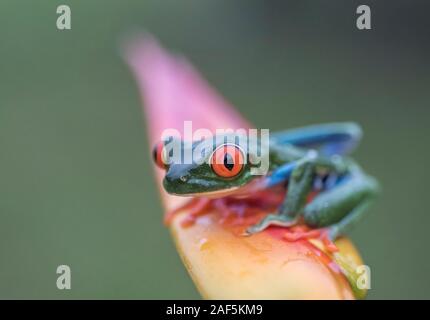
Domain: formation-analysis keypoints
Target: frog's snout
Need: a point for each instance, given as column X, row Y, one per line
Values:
column 175, row 177
column 177, row 185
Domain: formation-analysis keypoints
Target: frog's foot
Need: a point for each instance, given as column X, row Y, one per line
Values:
column 195, row 207
column 323, row 234
column 168, row 217
column 227, row 211
column 200, row 208
column 271, row 220
column 224, row 209
column 328, row 236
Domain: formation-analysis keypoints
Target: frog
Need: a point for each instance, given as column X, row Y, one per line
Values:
column 314, row 159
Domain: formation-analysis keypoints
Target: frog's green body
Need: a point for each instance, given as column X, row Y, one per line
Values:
column 309, row 159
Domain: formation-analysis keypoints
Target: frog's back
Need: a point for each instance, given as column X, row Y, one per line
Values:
column 331, row 138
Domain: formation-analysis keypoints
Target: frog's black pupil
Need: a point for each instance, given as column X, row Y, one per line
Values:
column 228, row 162
column 154, row 153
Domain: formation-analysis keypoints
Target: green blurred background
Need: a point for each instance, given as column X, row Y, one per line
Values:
column 76, row 183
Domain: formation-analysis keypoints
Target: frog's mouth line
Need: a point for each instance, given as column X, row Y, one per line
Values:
column 210, row 194
column 237, row 191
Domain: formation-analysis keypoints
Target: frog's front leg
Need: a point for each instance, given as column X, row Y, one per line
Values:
column 300, row 184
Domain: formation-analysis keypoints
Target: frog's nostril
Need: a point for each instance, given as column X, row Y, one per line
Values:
column 183, row 178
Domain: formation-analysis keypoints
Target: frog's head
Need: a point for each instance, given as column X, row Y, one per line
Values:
column 217, row 168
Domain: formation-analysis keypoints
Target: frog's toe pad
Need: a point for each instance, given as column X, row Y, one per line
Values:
column 321, row 234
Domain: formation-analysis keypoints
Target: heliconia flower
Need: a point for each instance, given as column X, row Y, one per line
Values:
column 223, row 263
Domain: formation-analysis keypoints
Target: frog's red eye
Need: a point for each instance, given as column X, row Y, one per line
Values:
column 159, row 155
column 227, row 161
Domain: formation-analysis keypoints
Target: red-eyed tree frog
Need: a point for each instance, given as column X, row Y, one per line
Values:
column 309, row 159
